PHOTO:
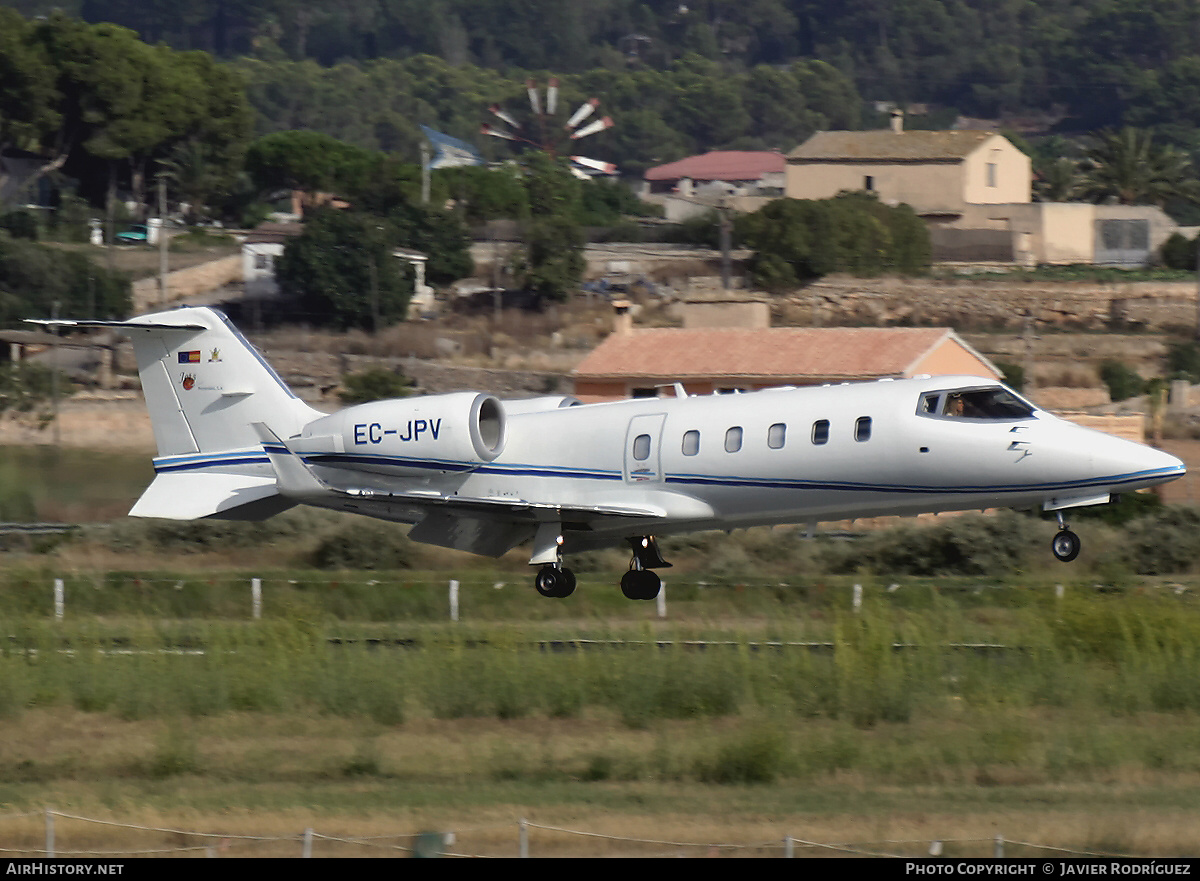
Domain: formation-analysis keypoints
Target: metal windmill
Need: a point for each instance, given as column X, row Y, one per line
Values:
column 543, row 132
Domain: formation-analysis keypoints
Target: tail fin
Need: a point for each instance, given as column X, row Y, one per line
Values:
column 205, row 385
column 205, row 388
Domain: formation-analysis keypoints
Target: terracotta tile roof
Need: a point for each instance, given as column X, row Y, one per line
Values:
column 721, row 165
column 887, row 145
column 821, row 352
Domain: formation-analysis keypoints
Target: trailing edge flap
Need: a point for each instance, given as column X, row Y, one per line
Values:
column 520, row 508
column 476, row 535
column 192, row 496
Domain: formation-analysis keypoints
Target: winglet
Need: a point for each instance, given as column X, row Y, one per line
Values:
column 292, row 476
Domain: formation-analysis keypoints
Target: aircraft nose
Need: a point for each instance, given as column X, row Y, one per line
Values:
column 1137, row 464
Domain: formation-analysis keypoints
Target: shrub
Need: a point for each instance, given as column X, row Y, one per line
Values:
column 1123, row 382
column 364, row 546
column 377, row 384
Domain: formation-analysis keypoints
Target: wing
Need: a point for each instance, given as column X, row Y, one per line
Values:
column 488, row 526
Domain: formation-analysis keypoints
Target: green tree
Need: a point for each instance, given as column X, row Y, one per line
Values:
column 341, row 271
column 553, row 261
column 306, row 160
column 796, row 240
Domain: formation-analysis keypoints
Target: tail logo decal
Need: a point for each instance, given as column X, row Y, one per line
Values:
column 187, row 380
column 215, row 356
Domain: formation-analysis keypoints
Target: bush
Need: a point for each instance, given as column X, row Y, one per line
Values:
column 973, row 544
column 364, row 546
column 377, row 384
column 1179, row 252
column 20, row 225
column 1123, row 382
column 1165, row 542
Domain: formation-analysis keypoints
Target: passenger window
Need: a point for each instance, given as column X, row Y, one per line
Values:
column 641, row 447
column 862, row 428
column 691, row 443
column 733, row 439
column 776, row 436
column 820, row 431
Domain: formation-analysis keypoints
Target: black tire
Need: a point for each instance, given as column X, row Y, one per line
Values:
column 1066, row 545
column 566, row 583
column 640, row 584
column 554, row 582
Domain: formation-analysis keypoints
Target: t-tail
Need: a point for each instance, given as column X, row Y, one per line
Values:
column 206, row 386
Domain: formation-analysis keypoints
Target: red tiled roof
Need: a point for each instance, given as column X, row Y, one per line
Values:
column 721, row 165
column 820, row 352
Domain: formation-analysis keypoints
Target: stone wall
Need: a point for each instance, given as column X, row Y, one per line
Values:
column 187, row 284
column 90, row 420
column 992, row 305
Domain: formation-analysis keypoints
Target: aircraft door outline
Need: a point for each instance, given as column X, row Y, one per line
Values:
column 643, row 449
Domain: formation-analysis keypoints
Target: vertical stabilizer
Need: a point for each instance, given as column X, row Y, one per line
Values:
column 205, row 385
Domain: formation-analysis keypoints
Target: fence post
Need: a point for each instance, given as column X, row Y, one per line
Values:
column 49, row 833
column 857, row 598
column 661, row 600
column 998, row 852
column 523, row 851
column 58, row 599
column 306, row 850
column 453, row 600
column 789, row 849
column 256, row 597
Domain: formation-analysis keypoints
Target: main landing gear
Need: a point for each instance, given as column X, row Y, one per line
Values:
column 555, row 581
column 639, row 583
column 1065, row 545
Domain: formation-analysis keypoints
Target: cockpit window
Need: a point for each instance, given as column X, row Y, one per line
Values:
column 994, row 404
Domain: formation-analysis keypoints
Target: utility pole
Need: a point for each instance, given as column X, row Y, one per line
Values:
column 162, row 240
column 424, row 173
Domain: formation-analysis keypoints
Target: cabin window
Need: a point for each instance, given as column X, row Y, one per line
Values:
column 733, row 439
column 643, row 393
column 862, row 428
column 776, row 436
column 641, row 447
column 691, row 443
column 820, row 432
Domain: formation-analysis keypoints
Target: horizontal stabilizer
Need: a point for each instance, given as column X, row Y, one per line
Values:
column 192, row 496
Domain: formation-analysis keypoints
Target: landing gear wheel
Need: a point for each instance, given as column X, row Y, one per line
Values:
column 554, row 582
column 640, row 584
column 1065, row 545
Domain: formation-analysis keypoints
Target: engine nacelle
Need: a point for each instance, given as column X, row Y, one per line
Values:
column 518, row 406
column 458, row 429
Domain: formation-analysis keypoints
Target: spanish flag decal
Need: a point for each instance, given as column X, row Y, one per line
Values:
column 189, row 357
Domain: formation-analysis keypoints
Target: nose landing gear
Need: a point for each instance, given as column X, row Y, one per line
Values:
column 1065, row 545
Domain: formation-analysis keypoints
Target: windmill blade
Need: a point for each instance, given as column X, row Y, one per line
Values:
column 592, row 127
column 552, row 96
column 501, row 114
column 603, row 167
column 586, row 109
column 534, row 99
column 496, row 133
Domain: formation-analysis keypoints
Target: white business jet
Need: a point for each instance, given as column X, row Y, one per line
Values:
column 484, row 475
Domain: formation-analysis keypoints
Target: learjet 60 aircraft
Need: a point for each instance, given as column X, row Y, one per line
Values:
column 472, row 472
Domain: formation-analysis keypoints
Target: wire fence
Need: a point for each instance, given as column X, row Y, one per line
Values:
column 65, row 835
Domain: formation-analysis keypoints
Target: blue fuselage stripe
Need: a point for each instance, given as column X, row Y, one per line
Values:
column 217, row 460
